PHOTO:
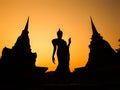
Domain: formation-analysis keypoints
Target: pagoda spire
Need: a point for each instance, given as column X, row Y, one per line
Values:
column 95, row 34
column 94, row 30
column 26, row 26
column 23, row 40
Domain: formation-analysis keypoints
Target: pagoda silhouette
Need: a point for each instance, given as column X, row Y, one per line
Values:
column 17, row 67
column 101, row 53
column 20, row 60
column 101, row 56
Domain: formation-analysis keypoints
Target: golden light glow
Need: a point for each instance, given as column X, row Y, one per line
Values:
column 47, row 16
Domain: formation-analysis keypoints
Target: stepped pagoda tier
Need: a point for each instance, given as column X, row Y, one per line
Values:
column 20, row 58
column 22, row 49
column 101, row 53
column 20, row 55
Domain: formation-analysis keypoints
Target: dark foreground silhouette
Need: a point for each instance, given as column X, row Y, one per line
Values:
column 19, row 62
column 18, row 70
column 62, row 54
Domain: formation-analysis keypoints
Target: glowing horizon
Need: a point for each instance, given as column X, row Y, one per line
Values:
column 71, row 16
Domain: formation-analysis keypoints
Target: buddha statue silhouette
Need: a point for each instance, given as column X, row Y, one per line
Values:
column 62, row 53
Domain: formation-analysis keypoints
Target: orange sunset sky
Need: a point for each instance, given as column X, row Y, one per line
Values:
column 71, row 16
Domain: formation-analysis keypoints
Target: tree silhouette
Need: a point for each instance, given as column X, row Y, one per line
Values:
column 118, row 50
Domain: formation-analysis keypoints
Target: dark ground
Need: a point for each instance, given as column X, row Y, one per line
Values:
column 75, row 81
